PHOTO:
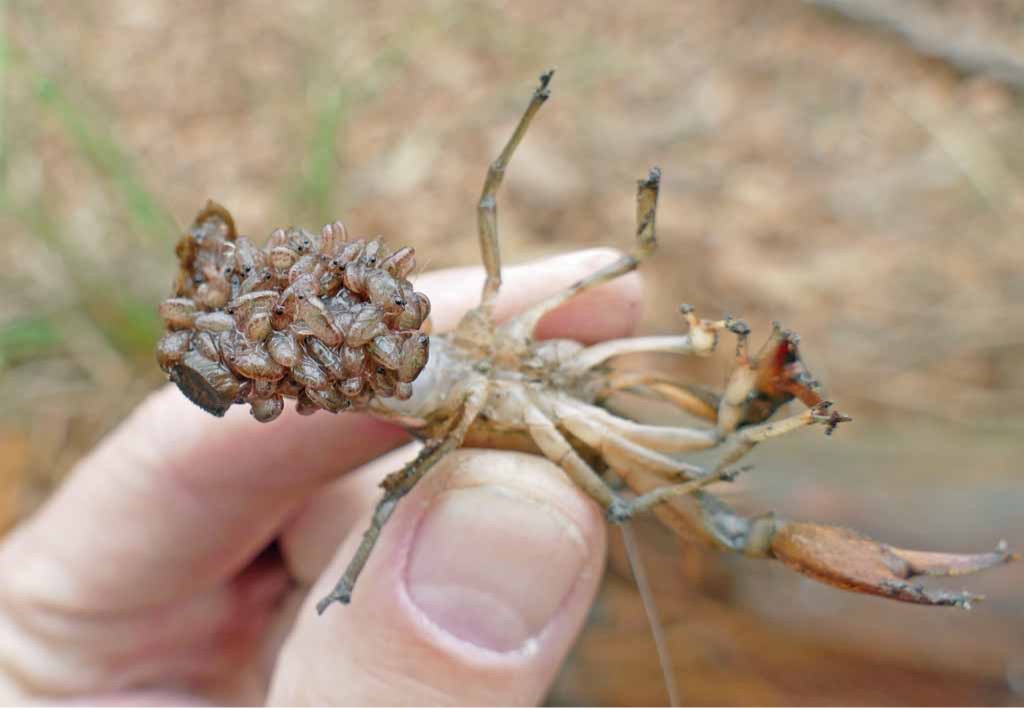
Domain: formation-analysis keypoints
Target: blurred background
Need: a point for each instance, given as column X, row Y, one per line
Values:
column 853, row 170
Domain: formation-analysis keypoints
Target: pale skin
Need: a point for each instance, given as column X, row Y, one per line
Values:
column 141, row 580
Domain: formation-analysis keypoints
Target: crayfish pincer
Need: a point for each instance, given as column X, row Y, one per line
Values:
column 332, row 322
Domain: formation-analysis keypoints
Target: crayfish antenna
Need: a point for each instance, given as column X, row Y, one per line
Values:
column 665, row 660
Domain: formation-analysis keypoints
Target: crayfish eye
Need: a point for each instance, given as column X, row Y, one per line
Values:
column 399, row 302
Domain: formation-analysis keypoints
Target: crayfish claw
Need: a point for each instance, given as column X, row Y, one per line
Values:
column 849, row 560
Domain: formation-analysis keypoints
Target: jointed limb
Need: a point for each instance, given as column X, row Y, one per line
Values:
column 694, row 343
column 692, row 400
column 700, row 340
column 398, row 485
column 591, row 424
column 625, row 457
column 830, row 554
column 628, row 447
column 748, row 536
column 555, row 447
column 758, row 386
column 521, row 329
column 404, row 481
column 621, row 452
column 487, row 219
column 662, row 494
column 740, row 442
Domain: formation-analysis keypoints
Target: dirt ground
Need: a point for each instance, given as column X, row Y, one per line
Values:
column 862, row 185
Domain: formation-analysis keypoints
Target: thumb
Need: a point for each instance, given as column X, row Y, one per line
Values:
column 474, row 594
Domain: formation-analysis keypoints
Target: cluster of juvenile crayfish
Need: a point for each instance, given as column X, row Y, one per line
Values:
column 328, row 321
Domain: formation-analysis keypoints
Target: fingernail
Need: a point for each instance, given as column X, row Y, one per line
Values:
column 491, row 567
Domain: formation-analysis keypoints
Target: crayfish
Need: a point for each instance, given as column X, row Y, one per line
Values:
column 332, row 322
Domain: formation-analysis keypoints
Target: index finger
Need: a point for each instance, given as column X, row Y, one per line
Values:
column 174, row 501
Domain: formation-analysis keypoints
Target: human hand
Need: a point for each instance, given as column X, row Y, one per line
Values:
column 150, row 577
